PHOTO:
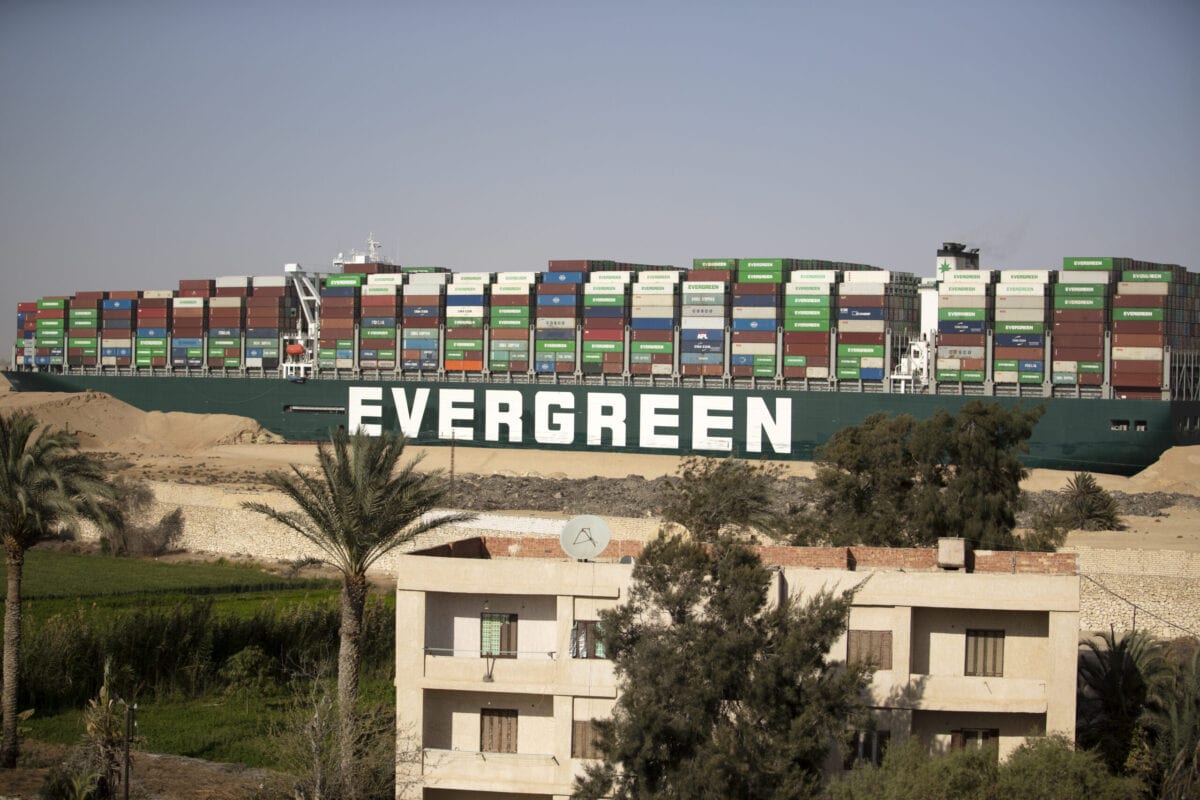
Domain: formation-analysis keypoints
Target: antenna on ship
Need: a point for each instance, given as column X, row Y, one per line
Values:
column 372, row 249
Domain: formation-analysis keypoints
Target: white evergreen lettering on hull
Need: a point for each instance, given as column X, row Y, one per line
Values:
column 672, row 422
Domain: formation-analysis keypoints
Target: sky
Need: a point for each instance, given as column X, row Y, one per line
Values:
column 143, row 142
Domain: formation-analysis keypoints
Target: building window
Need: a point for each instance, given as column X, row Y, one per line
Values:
column 1140, row 425
column 867, row 747
column 584, row 740
column 870, row 647
column 585, row 640
column 497, row 635
column 976, row 738
column 498, row 730
column 1118, row 425
column 985, row 653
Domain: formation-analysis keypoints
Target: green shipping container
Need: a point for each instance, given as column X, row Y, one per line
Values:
column 847, row 373
column 962, row 314
column 376, row 333
column 1076, row 263
column 592, row 358
column 860, row 350
column 652, row 347
column 459, row 345
column 603, row 347
column 1093, row 367
column 554, row 347
column 349, row 279
column 1144, row 276
column 806, row 325
column 1064, row 378
column 510, row 323
column 1080, row 289
column 971, row 375
column 1143, row 314
column 806, row 313
column 948, row 375
column 518, row 312
column 1029, row 377
column 805, row 300
column 764, row 371
column 50, row 304
column 795, row 361
column 1020, row 327
column 233, row 362
column 1088, row 303
column 596, row 300
column 1005, row 366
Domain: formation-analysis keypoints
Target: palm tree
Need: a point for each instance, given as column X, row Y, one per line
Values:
column 46, row 484
column 359, row 507
column 1120, row 679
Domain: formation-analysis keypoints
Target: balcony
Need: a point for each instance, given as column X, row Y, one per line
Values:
column 506, row 772
column 960, row 693
column 537, row 672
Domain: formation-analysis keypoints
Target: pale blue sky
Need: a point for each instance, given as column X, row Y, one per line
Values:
column 144, row 142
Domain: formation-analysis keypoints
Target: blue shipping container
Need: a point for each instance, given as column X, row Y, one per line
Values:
column 862, row 313
column 151, row 333
column 557, row 300
column 563, row 277
column 339, row 291
column 262, row 333
column 651, row 324
column 1030, row 366
column 116, row 305
column 1020, row 340
column 961, row 327
column 755, row 300
column 753, row 324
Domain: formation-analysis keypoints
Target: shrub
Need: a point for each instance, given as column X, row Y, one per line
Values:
column 1086, row 506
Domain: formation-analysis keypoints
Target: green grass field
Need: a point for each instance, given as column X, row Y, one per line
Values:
column 214, row 725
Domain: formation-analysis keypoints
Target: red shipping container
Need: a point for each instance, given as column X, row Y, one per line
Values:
column 1079, row 315
column 962, row 339
column 268, row 291
column 756, row 288
column 1138, row 340
column 1137, row 326
column 862, row 301
column 1078, row 341
column 193, row 293
column 1079, row 329
column 804, row 337
column 695, row 370
column 421, row 322
column 27, row 306
column 602, row 335
column 806, row 350
column 860, row 338
column 510, row 300
column 89, row 297
column 1140, row 301
column 603, row 323
column 549, row 312
column 651, row 336
column 420, row 300
column 697, row 275
column 1078, row 354
column 124, row 295
column 510, row 334
column 754, row 337
column 544, row 289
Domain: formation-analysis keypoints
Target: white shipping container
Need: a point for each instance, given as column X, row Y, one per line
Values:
column 867, row 276
column 755, row 312
column 641, row 287
column 343, row 363
column 814, row 276
column 427, row 279
column 663, row 300
column 972, row 289
column 863, row 288
column 158, row 294
column 108, row 341
column 254, row 362
column 661, row 369
column 652, row 312
column 269, row 280
column 808, row 288
column 464, row 311
column 862, row 325
column 1084, row 276
column 466, row 289
column 1020, row 314
column 616, row 276
column 703, row 311
column 233, row 282
column 947, row 351
column 949, row 363
column 555, row 323
column 1137, row 353
column 514, row 277
column 962, row 301
column 871, row 362
column 604, row 289
column 1066, row 366
column 817, row 372
column 1021, row 301
column 701, row 324
column 659, row 276
column 188, row 302
column 1020, row 287
column 1158, row 288
column 388, row 279
column 473, row 278
column 1005, row 377
column 510, row 289
column 226, row 302
column 1026, row 276
column 379, row 291
column 975, row 276
column 752, row 348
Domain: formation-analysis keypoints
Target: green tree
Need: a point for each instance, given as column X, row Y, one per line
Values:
column 1084, row 505
column 722, row 694
column 46, row 485
column 897, row 481
column 1046, row 768
column 1175, row 721
column 708, row 494
column 361, row 505
column 1119, row 681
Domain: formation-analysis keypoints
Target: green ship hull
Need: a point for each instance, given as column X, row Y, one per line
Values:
column 1112, row 436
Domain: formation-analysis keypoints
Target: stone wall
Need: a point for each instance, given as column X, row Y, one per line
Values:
column 1153, row 590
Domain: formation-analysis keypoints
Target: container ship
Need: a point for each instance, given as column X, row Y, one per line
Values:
column 755, row 357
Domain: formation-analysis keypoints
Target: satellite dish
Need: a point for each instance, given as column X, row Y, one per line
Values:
column 585, row 537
